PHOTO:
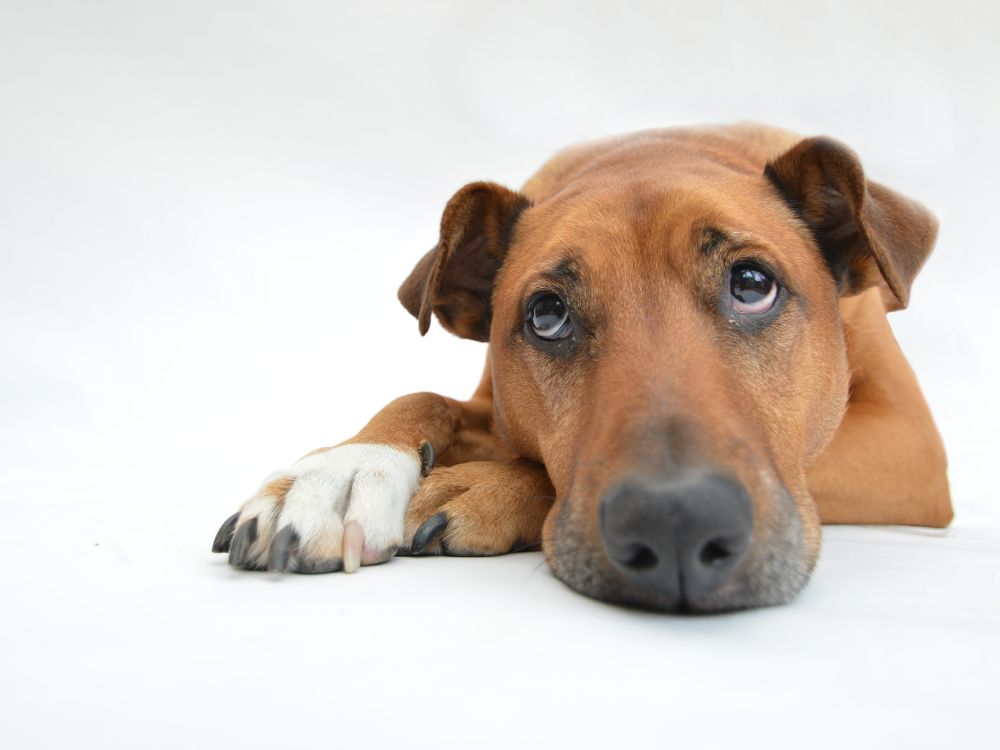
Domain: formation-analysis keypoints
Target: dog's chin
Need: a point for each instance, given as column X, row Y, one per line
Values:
column 777, row 567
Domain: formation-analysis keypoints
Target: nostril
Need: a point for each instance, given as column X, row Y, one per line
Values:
column 641, row 557
column 715, row 553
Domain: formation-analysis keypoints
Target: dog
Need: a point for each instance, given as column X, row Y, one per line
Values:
column 689, row 369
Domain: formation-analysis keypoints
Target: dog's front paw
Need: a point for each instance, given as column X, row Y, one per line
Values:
column 479, row 508
column 335, row 509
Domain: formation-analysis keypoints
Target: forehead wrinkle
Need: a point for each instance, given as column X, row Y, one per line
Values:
column 567, row 270
column 713, row 241
column 638, row 235
column 747, row 225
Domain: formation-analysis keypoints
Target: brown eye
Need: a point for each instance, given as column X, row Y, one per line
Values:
column 752, row 288
column 549, row 318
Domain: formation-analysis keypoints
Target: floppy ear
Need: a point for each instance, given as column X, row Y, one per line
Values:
column 868, row 234
column 456, row 278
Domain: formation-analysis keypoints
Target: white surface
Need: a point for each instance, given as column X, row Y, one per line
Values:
column 205, row 211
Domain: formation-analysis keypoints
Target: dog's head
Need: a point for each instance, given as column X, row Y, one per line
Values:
column 662, row 313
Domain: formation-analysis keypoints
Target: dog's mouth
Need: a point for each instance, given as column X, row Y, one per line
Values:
column 691, row 543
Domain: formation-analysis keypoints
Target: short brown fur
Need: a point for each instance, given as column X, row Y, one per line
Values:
column 850, row 436
column 817, row 414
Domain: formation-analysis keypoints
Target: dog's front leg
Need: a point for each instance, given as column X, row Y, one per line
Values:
column 345, row 506
column 479, row 508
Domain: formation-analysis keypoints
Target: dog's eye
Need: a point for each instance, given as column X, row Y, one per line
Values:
column 752, row 288
column 549, row 318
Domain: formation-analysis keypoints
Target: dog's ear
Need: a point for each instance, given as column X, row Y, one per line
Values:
column 455, row 279
column 868, row 234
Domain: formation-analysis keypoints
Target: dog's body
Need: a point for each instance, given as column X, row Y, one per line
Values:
column 689, row 368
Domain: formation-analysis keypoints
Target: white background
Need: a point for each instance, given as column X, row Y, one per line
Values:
column 205, row 211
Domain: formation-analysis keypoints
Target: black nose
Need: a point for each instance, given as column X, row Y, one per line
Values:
column 677, row 539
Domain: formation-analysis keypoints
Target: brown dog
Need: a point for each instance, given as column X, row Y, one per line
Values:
column 689, row 369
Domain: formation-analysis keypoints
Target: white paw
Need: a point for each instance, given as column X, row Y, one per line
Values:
column 338, row 508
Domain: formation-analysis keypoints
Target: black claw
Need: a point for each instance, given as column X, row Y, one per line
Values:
column 224, row 536
column 428, row 532
column 243, row 539
column 283, row 546
column 427, row 458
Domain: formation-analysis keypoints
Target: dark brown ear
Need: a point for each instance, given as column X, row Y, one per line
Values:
column 456, row 278
column 868, row 234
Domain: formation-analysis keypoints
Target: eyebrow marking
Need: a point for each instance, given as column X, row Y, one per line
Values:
column 712, row 239
column 566, row 270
